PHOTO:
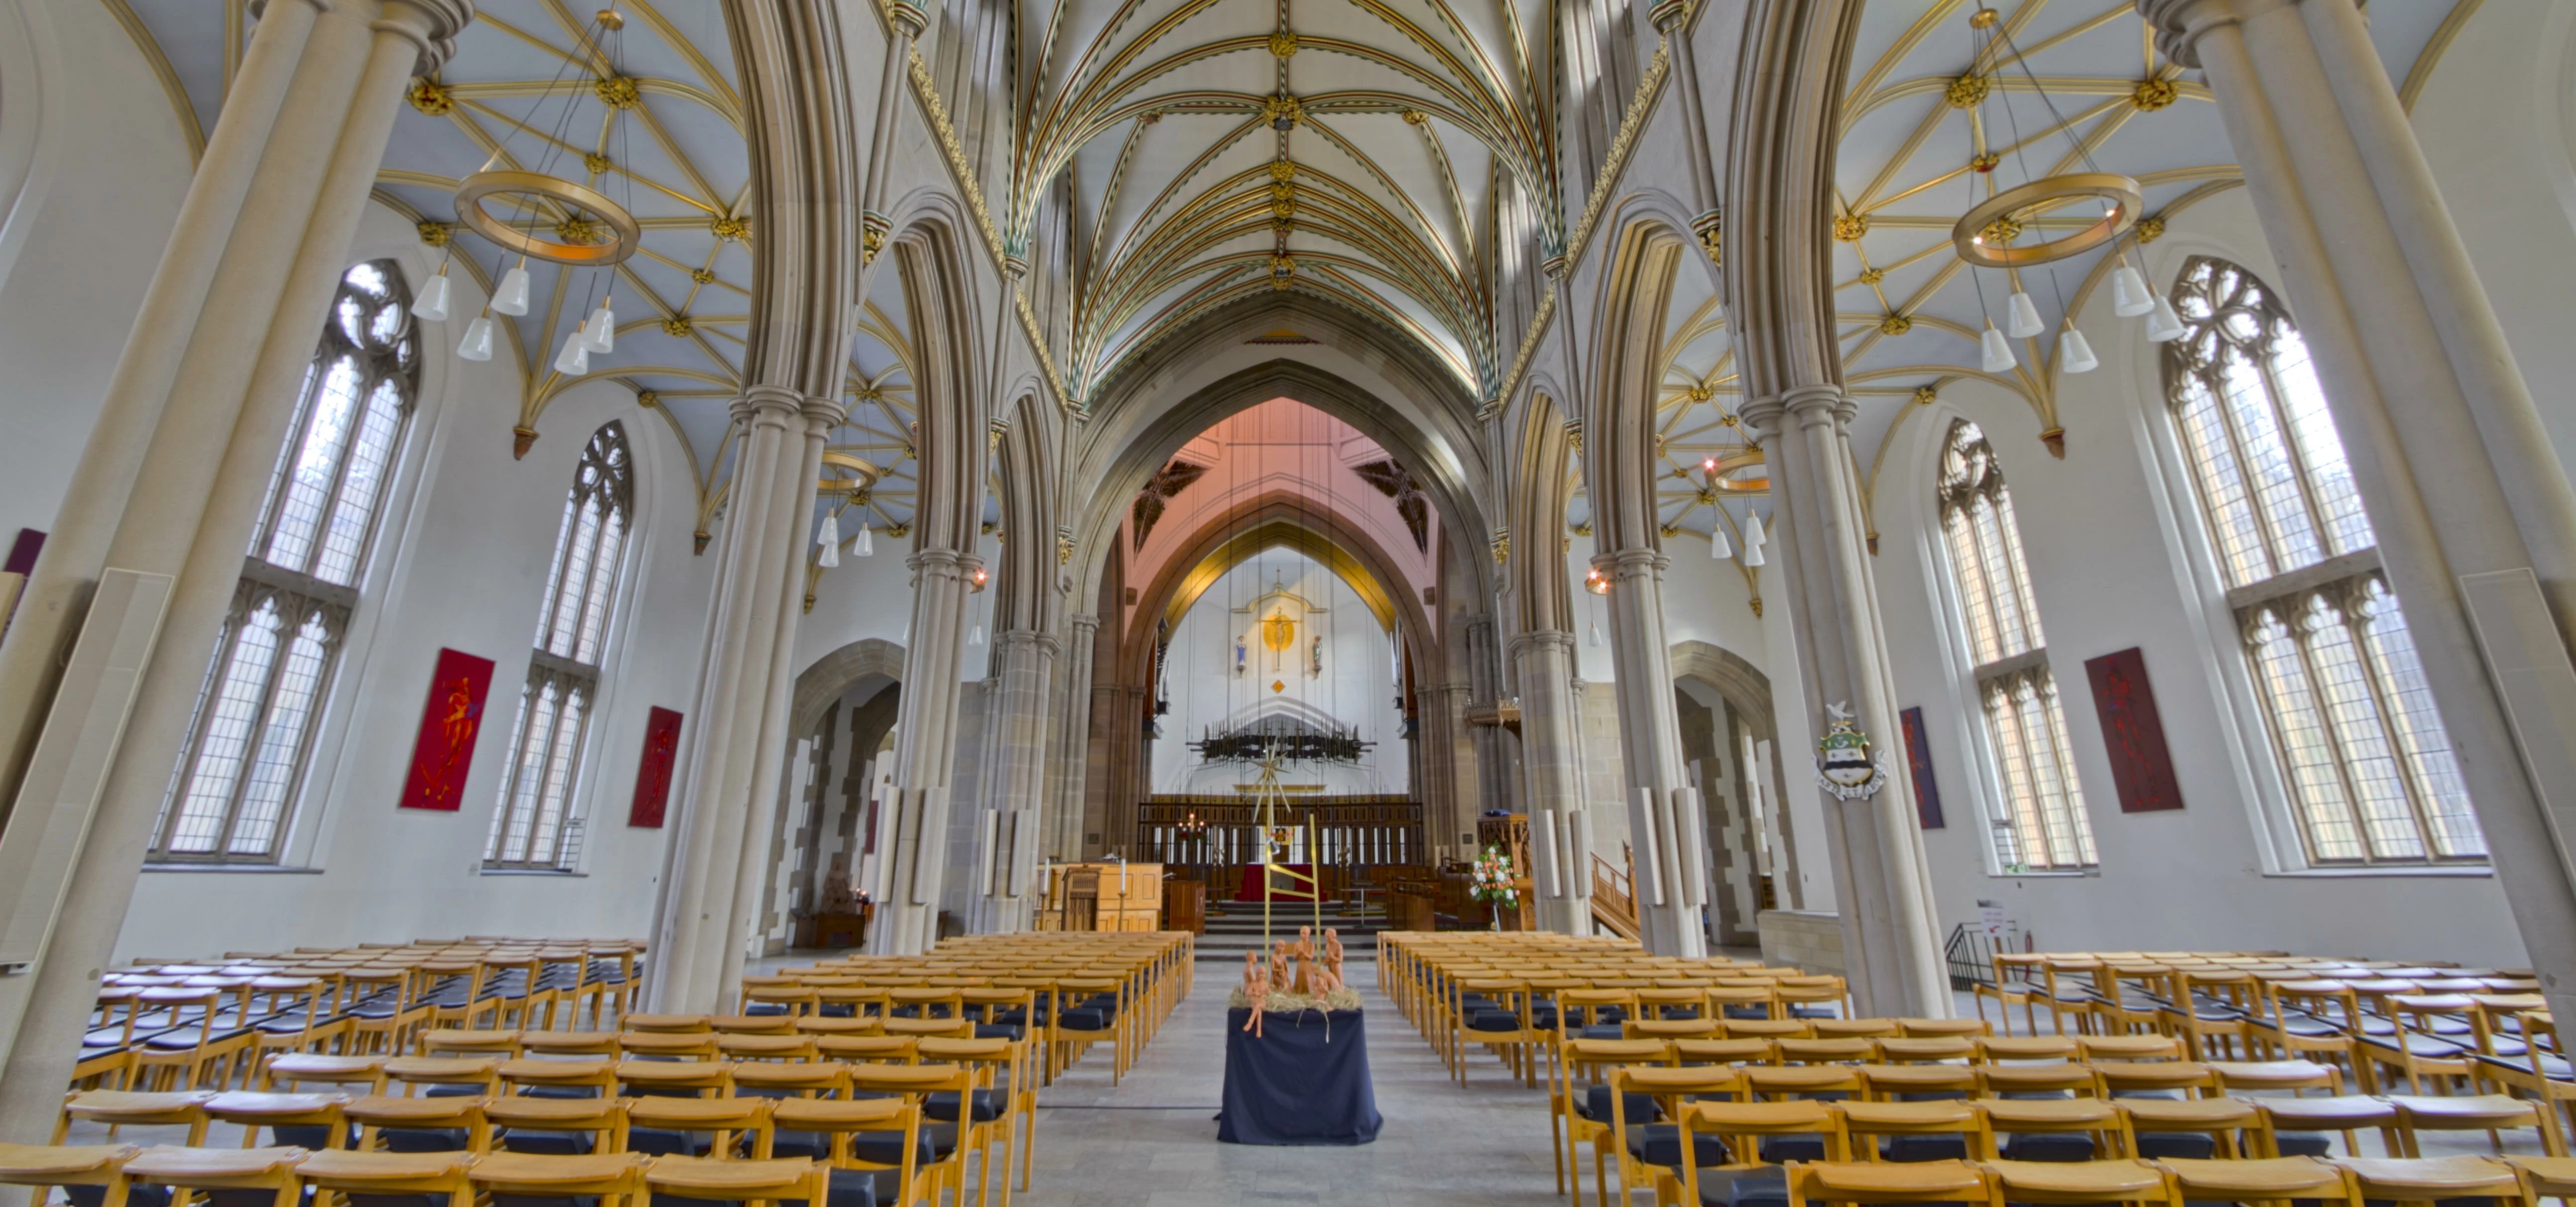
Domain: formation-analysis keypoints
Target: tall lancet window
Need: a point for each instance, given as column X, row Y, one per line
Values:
column 244, row 762
column 2369, row 769
column 2043, row 824
column 535, row 826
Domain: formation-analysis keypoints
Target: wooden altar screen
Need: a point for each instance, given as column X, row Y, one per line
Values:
column 1217, row 836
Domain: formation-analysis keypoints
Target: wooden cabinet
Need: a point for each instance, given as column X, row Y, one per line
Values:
column 1185, row 906
column 1102, row 896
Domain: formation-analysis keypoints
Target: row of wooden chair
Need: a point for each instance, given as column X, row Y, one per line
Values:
column 618, row 1179
column 2350, row 1182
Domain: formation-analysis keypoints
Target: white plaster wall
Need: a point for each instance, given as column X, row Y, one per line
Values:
column 2115, row 551
column 1357, row 687
column 92, row 170
column 461, row 562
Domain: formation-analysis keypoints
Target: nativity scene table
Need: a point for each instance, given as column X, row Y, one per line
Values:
column 1303, row 1080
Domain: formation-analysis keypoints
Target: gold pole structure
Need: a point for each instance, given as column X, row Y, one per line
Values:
column 1315, row 864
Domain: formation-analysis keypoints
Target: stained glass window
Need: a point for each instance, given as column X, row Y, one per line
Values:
column 536, row 826
column 2369, row 769
column 237, row 779
column 2043, row 825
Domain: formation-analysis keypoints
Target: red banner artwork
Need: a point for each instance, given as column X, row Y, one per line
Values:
column 653, row 777
column 449, row 724
column 2141, row 768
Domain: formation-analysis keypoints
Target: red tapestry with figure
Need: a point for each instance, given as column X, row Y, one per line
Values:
column 449, row 724
column 2141, row 768
column 653, row 778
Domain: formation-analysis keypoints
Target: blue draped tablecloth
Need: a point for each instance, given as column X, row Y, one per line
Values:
column 1303, row 1080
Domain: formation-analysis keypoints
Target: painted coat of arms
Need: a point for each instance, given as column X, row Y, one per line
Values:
column 1847, row 764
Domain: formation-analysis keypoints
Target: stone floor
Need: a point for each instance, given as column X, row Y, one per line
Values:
column 1151, row 1140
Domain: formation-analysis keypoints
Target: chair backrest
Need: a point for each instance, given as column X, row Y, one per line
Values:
column 727, row 1122
column 702, row 1076
column 603, row 1118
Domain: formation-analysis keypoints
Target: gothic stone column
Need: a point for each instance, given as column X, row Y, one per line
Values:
column 917, row 825
column 1024, row 663
column 2475, row 516
column 1663, row 809
column 173, row 478
column 1551, row 765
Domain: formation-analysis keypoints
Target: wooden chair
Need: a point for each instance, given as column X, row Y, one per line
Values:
column 1947, row 1129
column 2489, row 1113
column 2052, row 1123
column 1742, row 1127
column 1580, row 1114
column 2059, row 1183
column 764, row 1182
column 388, row 1174
column 315, row 1117
column 44, row 1166
column 989, row 1112
column 615, row 1179
column 733, row 1127
column 1642, row 1149
column 2430, row 1180
column 941, row 1155
column 2264, row 1180
column 126, row 1108
column 891, row 1125
column 2284, row 1118
column 1889, row 1182
column 418, row 1125
column 269, row 1169
column 562, row 1127
column 190, row 1034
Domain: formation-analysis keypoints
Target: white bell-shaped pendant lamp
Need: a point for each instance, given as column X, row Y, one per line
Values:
column 2163, row 325
column 1754, row 538
column 431, row 305
column 600, row 333
column 975, row 636
column 1998, row 353
column 827, row 540
column 2074, row 353
column 512, row 296
column 2129, row 296
column 867, row 542
column 477, row 344
column 1718, row 549
column 574, row 360
column 2021, row 317
column 1595, row 638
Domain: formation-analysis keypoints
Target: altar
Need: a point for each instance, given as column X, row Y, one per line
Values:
column 1303, row 1080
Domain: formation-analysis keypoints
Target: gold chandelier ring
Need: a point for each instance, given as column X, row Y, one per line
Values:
column 858, row 474
column 580, row 198
column 2122, row 192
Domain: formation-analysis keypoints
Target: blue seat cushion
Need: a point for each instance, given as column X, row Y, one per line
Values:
column 1661, row 1144
column 1744, row 1188
column 1775, row 1150
column 859, row 1188
column 655, row 1142
column 1596, row 1105
column 423, row 1139
column 989, row 1106
column 549, row 1144
column 1924, row 1148
column 1601, row 1031
column 1082, row 1019
column 886, row 1148
column 1494, row 1020
column 2188, row 1146
column 2304, row 1144
column 2048, row 1146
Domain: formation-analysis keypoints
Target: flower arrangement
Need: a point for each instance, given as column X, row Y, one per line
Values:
column 1493, row 880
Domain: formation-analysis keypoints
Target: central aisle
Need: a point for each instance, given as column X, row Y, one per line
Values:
column 1152, row 1140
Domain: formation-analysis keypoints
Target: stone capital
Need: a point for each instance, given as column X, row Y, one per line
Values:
column 942, row 563
column 768, row 404
column 1538, row 640
column 431, row 27
column 2180, row 24
column 1631, row 563
column 1016, row 641
column 1085, row 622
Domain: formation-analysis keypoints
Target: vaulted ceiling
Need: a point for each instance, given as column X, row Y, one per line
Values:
column 1349, row 149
